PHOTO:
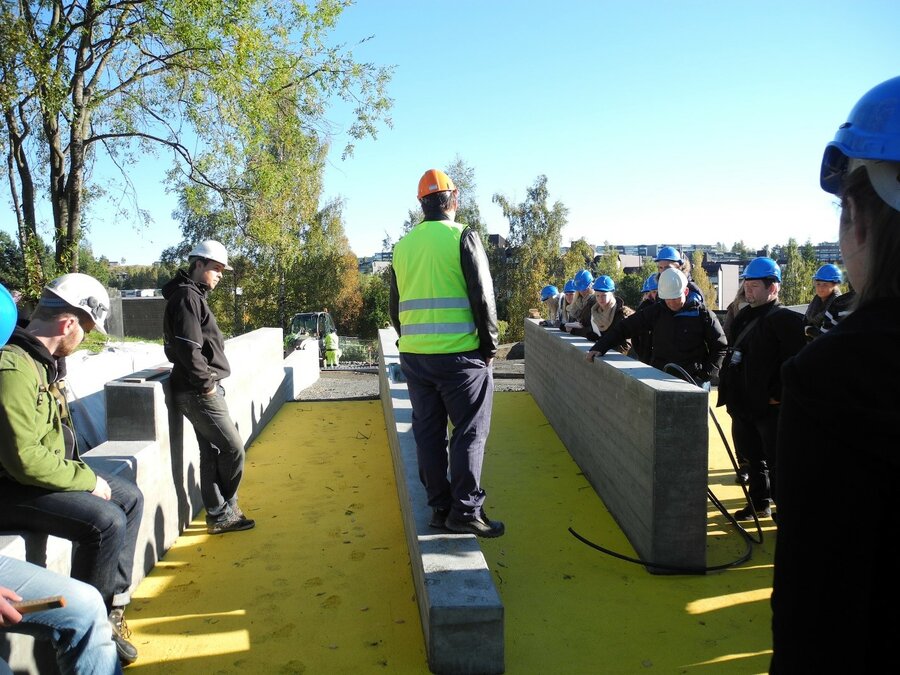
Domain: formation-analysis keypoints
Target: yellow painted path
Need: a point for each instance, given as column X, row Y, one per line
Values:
column 323, row 585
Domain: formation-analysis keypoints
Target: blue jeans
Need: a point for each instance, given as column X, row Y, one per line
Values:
column 80, row 632
column 221, row 451
column 104, row 533
column 459, row 387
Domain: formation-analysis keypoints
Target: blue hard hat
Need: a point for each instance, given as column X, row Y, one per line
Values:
column 762, row 268
column 871, row 132
column 583, row 280
column 569, row 287
column 651, row 284
column 548, row 292
column 8, row 315
column 604, row 284
column 828, row 273
column 669, row 253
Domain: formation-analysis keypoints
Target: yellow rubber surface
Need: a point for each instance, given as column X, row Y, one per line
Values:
column 323, row 585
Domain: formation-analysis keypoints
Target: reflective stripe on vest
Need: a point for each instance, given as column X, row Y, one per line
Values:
column 435, row 315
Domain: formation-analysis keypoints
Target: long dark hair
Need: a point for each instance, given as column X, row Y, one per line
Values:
column 882, row 225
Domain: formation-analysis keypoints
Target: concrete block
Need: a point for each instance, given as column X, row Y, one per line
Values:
column 458, row 602
column 302, row 369
column 639, row 435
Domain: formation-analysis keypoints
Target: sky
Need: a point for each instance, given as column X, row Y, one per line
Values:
column 654, row 121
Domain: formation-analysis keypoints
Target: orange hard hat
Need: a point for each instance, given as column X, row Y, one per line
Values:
column 434, row 180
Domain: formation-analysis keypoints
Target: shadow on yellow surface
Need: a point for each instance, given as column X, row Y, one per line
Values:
column 323, row 585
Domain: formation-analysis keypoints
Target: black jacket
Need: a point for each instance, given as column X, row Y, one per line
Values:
column 747, row 386
column 193, row 341
column 642, row 341
column 479, row 287
column 691, row 337
column 836, row 591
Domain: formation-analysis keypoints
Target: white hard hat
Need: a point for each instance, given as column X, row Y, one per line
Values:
column 672, row 283
column 211, row 250
column 81, row 292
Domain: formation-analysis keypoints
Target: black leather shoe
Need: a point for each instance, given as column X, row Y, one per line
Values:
column 746, row 513
column 120, row 633
column 439, row 518
column 480, row 526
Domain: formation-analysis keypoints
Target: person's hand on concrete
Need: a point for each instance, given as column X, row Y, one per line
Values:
column 590, row 356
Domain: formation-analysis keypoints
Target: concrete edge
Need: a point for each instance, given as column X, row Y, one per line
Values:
column 459, row 605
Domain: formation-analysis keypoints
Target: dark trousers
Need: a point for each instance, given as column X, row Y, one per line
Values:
column 459, row 387
column 221, row 451
column 104, row 533
column 754, row 439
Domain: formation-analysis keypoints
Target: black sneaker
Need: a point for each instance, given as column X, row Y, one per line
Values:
column 120, row 633
column 439, row 519
column 480, row 526
column 746, row 513
column 235, row 523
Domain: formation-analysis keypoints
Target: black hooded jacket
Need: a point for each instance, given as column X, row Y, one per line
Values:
column 691, row 337
column 193, row 341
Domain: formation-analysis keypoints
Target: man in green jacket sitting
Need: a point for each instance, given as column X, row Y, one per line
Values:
column 44, row 486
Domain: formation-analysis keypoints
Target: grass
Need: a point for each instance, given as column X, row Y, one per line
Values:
column 96, row 342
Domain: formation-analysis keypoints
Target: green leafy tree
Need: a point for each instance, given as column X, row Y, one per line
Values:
column 701, row 278
column 740, row 249
column 468, row 213
column 608, row 263
column 535, row 230
column 579, row 256
column 205, row 81
column 11, row 263
column 796, row 287
column 376, row 293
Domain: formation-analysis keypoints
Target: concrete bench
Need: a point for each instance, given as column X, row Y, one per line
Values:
column 458, row 602
column 639, row 435
column 149, row 442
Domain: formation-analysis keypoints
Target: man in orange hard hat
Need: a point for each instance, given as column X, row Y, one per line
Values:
column 442, row 306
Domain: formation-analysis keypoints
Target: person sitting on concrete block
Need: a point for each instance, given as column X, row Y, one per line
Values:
column 44, row 485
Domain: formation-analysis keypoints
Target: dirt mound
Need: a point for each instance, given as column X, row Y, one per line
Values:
column 511, row 351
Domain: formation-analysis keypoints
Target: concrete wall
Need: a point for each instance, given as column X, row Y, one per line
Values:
column 639, row 435
column 143, row 317
column 149, row 442
column 461, row 611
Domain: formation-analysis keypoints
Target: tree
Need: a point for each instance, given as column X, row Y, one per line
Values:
column 701, row 278
column 535, row 231
column 630, row 287
column 579, row 256
column 796, row 284
column 11, row 263
column 608, row 263
column 376, row 293
column 111, row 78
column 741, row 250
column 468, row 213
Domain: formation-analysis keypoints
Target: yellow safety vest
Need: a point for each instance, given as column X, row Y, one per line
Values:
column 435, row 314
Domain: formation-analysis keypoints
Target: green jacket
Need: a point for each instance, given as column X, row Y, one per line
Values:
column 32, row 444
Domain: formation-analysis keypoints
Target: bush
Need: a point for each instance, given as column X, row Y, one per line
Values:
column 502, row 331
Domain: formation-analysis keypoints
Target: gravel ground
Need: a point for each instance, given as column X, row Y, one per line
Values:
column 348, row 385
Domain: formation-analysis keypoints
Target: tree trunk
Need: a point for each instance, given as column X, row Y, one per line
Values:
column 26, row 220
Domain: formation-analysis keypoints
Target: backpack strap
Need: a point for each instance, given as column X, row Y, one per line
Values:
column 55, row 389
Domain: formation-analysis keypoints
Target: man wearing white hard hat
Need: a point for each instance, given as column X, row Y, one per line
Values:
column 44, row 486
column 683, row 331
column 195, row 346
